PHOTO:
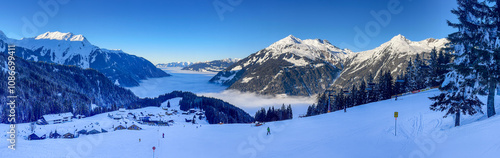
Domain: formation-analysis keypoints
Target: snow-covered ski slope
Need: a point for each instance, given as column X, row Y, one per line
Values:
column 364, row 131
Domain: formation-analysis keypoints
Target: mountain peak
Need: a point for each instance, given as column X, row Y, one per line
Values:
column 290, row 39
column 291, row 36
column 399, row 37
column 2, row 35
column 60, row 36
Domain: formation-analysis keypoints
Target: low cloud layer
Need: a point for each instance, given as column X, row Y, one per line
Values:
column 197, row 82
column 251, row 102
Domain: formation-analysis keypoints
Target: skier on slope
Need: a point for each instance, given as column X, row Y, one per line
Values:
column 268, row 131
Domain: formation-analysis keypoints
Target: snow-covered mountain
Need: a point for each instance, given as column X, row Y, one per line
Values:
column 392, row 55
column 212, row 66
column 70, row 49
column 290, row 66
column 304, row 67
column 174, row 64
column 45, row 88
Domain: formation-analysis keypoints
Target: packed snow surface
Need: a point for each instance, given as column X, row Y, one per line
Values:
column 363, row 131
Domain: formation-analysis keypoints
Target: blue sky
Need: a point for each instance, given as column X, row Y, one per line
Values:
column 192, row 30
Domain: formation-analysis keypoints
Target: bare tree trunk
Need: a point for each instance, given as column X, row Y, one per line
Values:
column 457, row 119
column 491, row 99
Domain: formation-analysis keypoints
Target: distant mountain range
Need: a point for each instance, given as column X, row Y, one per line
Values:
column 174, row 64
column 205, row 66
column 293, row 66
column 70, row 49
column 211, row 66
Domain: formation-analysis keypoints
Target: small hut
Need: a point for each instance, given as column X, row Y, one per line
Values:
column 33, row 137
column 68, row 135
column 82, row 131
column 134, row 127
column 94, row 132
column 120, row 127
column 55, row 135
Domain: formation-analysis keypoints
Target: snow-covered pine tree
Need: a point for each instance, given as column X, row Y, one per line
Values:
column 488, row 49
column 282, row 113
column 362, row 97
column 399, row 87
column 460, row 88
column 433, row 69
column 421, row 72
column 457, row 98
column 444, row 61
column 411, row 83
column 322, row 106
column 353, row 96
column 381, row 86
column 269, row 114
column 339, row 101
column 371, row 94
column 311, row 110
column 262, row 115
column 386, row 86
column 289, row 111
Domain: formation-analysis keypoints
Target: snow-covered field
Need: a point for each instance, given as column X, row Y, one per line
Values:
column 197, row 82
column 364, row 131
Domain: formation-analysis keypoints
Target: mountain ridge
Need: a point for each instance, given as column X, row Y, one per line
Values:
column 307, row 67
column 392, row 55
column 211, row 66
column 289, row 66
column 70, row 49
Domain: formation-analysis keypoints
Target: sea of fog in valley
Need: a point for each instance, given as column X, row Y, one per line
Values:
column 197, row 82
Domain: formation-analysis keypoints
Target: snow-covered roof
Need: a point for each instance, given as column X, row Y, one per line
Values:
column 121, row 112
column 154, row 119
column 52, row 117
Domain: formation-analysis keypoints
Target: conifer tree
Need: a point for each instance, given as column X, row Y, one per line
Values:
column 459, row 90
column 434, row 69
column 399, row 87
column 373, row 88
column 410, row 77
column 488, row 49
column 362, row 98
